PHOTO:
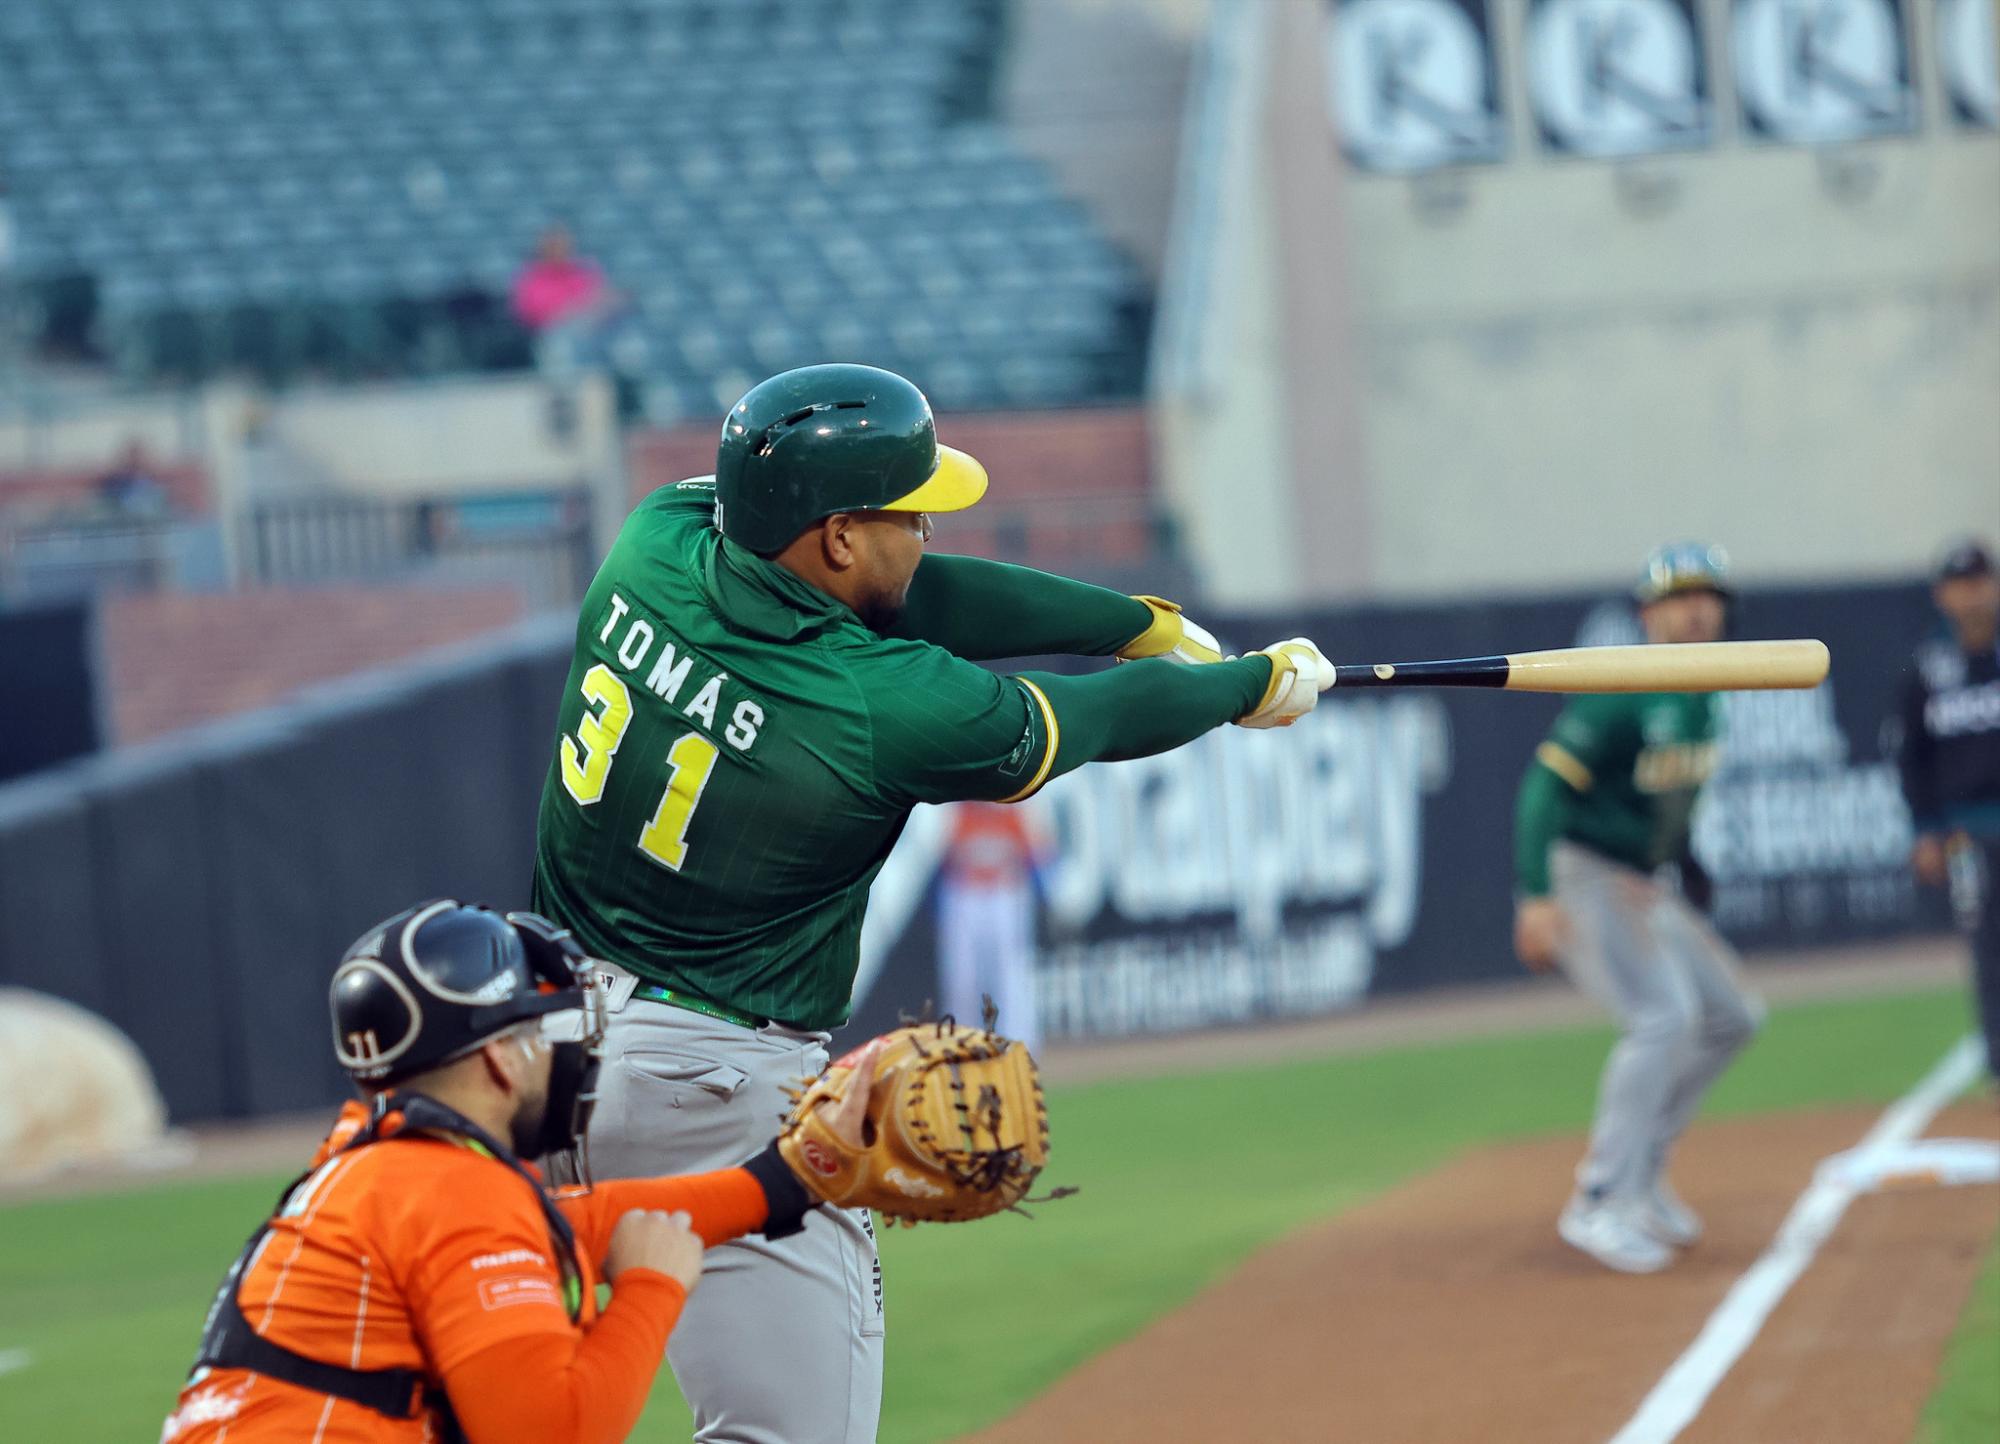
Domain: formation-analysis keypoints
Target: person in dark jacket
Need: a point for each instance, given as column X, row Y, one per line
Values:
column 1950, row 763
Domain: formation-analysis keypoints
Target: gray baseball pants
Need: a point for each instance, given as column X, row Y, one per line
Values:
column 1657, row 967
column 781, row 1343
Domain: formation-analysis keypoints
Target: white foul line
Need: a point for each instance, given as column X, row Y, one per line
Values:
column 1681, row 1392
column 12, row 1359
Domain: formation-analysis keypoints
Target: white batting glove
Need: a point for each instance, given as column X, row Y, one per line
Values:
column 1299, row 673
column 1171, row 636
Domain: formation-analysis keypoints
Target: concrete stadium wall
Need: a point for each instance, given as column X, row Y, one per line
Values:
column 86, row 434
column 1790, row 351
column 237, row 445
column 1560, row 362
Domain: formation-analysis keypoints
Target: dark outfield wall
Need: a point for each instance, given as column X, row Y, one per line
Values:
column 197, row 890
column 48, row 696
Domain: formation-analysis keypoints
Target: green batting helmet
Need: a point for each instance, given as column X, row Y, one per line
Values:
column 1683, row 567
column 822, row 439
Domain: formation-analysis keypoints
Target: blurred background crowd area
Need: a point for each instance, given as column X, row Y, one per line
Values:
column 1273, row 301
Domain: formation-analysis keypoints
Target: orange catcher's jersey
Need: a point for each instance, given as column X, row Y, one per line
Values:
column 418, row 1252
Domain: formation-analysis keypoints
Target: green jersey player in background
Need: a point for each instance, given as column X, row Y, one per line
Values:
column 770, row 673
column 1603, row 809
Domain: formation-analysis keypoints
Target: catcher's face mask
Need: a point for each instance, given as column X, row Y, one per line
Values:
column 572, row 1097
column 574, row 1036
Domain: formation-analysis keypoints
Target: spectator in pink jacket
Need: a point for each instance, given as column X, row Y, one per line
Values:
column 579, row 321
column 558, row 286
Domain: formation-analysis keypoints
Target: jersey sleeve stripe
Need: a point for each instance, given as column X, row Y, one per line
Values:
column 1049, row 752
column 1561, row 761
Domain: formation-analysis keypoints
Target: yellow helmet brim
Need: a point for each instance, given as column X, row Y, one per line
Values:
column 958, row 482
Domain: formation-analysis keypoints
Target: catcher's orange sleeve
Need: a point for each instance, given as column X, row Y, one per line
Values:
column 415, row 1253
column 722, row 1205
column 556, row 1390
column 546, row 1387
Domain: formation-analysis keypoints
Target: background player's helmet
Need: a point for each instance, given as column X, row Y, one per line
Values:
column 1684, row 567
column 808, row 443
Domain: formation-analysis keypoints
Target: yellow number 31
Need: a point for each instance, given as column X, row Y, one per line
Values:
column 586, row 766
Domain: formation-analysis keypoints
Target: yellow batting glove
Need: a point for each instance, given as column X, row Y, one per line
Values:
column 1299, row 673
column 1171, row 636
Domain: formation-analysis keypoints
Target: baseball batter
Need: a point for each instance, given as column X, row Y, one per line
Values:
column 1603, row 808
column 769, row 675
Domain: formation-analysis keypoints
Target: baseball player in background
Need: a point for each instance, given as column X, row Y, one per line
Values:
column 1603, row 809
column 770, row 673
column 1949, row 758
column 986, row 916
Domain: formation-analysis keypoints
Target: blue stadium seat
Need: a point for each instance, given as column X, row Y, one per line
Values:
column 294, row 185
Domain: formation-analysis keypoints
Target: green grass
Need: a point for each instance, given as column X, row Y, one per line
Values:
column 1965, row 1406
column 1182, row 1177
column 107, row 1294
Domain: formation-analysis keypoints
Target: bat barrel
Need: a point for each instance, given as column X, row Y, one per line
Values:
column 1672, row 667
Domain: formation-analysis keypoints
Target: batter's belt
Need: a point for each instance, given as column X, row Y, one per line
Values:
column 654, row 993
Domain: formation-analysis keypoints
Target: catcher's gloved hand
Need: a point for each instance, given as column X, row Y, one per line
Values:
column 1176, row 637
column 1299, row 673
column 953, row 1128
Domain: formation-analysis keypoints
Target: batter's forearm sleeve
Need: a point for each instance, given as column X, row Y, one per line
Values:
column 981, row 610
column 568, row 1388
column 1143, row 708
column 1538, row 821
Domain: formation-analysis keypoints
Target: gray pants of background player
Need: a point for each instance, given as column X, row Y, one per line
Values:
column 1657, row 966
column 1975, row 898
column 781, row 1342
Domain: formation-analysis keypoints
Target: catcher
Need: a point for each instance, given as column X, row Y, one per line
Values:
column 420, row 1281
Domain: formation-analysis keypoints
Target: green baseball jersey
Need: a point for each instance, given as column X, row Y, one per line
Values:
column 1619, row 774
column 737, row 754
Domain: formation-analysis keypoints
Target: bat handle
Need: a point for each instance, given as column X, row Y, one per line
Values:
column 1351, row 675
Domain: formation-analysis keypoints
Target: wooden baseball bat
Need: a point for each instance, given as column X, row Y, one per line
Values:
column 1661, row 667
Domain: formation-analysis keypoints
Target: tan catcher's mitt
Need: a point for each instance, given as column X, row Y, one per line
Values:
column 955, row 1128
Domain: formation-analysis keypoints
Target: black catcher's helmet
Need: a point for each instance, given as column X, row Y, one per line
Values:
column 435, row 981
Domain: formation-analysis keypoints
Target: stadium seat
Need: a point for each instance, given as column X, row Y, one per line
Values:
column 313, row 180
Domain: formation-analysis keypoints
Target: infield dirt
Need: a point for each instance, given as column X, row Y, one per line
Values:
column 1447, row 1310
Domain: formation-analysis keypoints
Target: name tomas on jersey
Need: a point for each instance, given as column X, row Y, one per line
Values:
column 671, row 671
